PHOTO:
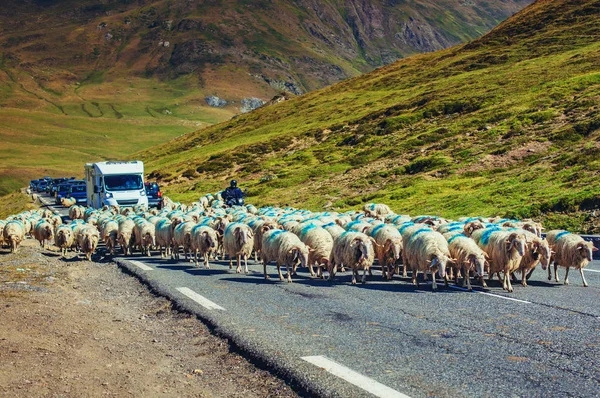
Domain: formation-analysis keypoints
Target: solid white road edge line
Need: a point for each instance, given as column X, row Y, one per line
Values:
column 140, row 265
column 591, row 270
column 491, row 294
column 203, row 301
column 353, row 377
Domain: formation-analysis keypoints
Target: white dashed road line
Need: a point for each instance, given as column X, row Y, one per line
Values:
column 140, row 265
column 364, row 382
column 203, row 301
column 491, row 294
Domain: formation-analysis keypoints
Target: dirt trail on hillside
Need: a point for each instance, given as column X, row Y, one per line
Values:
column 74, row 328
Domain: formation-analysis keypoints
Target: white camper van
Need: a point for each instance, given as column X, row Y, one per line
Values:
column 115, row 183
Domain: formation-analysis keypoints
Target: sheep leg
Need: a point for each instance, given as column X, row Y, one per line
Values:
column 311, row 269
column 279, row 271
column 288, row 275
column 230, row 263
column 364, row 277
column 415, row 280
column 566, row 276
column 549, row 272
column 556, row 272
column 524, row 277
column 246, row 264
column 238, row 269
column 468, row 279
column 585, row 284
column 354, row 275
column 482, row 281
column 433, row 283
column 265, row 268
column 331, row 269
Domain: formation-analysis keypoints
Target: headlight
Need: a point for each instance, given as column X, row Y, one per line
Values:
column 108, row 195
column 142, row 193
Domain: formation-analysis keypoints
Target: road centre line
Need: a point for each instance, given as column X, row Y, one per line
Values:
column 140, row 265
column 203, row 301
column 353, row 377
column 491, row 294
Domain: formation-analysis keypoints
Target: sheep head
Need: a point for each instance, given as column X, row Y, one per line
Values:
column 585, row 250
column 516, row 241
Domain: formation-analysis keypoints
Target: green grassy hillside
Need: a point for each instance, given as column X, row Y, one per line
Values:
column 508, row 124
column 82, row 80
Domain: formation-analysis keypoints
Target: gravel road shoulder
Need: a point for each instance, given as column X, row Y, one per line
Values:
column 73, row 328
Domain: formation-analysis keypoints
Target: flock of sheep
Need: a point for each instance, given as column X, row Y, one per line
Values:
column 329, row 241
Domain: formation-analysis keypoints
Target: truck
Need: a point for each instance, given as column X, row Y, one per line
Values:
column 115, row 183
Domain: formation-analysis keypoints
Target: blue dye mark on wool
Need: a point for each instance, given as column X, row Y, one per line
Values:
column 402, row 227
column 377, row 228
column 561, row 234
column 273, row 235
column 307, row 228
column 485, row 237
column 420, row 231
column 455, row 236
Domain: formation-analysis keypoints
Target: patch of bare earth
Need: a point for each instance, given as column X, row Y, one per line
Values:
column 511, row 157
column 74, row 328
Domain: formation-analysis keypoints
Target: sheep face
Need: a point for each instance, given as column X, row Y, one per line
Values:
column 585, row 249
column 438, row 264
column 477, row 263
column 516, row 241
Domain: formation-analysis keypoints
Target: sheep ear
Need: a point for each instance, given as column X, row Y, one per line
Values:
column 594, row 249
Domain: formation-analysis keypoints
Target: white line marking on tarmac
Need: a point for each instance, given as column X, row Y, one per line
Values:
column 353, row 377
column 591, row 270
column 203, row 301
column 140, row 265
column 491, row 294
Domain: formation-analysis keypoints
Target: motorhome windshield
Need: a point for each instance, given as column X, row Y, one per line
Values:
column 123, row 182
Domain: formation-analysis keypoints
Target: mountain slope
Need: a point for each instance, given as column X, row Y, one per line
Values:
column 507, row 124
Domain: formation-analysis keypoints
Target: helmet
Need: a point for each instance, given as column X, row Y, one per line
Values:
column 233, row 183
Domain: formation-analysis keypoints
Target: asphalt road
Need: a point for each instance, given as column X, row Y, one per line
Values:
column 394, row 339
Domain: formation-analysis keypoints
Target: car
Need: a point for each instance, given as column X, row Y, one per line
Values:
column 61, row 192
column 54, row 185
column 41, row 186
column 154, row 195
column 77, row 190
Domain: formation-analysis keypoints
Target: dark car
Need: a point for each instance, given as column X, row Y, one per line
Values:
column 54, row 185
column 77, row 190
column 61, row 192
column 33, row 184
column 154, row 195
column 41, row 186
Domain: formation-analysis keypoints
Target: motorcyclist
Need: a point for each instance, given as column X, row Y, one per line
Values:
column 233, row 195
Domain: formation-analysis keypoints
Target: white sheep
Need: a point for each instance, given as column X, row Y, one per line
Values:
column 377, row 210
column 238, row 242
column 285, row 248
column 164, row 236
column 43, row 232
column 63, row 238
column 76, row 212
column 125, row 235
column 14, row 233
column 537, row 252
column 388, row 248
column 204, row 242
column 355, row 250
column 505, row 249
column 259, row 228
column 87, row 240
column 182, row 236
column 145, row 235
column 320, row 244
column 426, row 250
column 466, row 256
column 109, row 233
column 570, row 250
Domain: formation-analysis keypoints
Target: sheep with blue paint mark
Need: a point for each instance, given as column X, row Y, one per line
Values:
column 377, row 210
column 14, row 233
column 238, row 242
column 467, row 257
column 63, row 238
column 505, row 249
column 388, row 247
column 426, row 250
column 355, row 250
column 204, row 242
column 43, row 232
column 182, row 237
column 320, row 244
column 537, row 252
column 285, row 248
column 570, row 251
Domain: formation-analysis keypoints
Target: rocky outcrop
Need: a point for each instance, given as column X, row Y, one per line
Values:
column 215, row 101
column 250, row 104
